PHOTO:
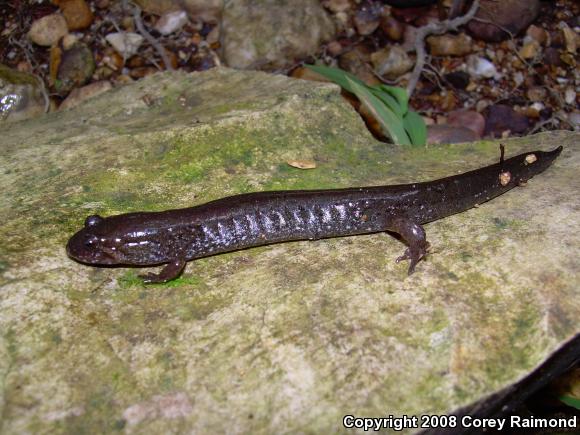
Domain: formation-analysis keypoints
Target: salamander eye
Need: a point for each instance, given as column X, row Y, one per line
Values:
column 93, row 220
column 91, row 242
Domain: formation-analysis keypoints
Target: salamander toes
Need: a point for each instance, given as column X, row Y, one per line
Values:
column 414, row 254
column 406, row 256
column 152, row 278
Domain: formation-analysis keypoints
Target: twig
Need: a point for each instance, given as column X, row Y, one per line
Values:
column 435, row 29
column 43, row 92
column 154, row 42
column 394, row 82
column 435, row 73
column 541, row 124
column 456, row 8
column 493, row 23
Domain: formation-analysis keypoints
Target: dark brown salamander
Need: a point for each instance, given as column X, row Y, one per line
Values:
column 242, row 221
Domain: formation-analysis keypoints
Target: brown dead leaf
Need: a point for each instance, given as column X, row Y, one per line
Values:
column 302, row 164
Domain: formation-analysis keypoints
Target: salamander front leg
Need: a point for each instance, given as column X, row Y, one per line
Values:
column 171, row 271
column 414, row 235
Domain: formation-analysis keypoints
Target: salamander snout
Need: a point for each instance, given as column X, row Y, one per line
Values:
column 88, row 248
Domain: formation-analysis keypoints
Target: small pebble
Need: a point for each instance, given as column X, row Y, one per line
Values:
column 391, row 62
column 458, row 79
column 337, row 5
column 77, row 13
column 537, row 93
column 481, row 105
column 450, row 45
column 334, row 48
column 570, row 96
column 552, row 57
column 213, row 36
column 537, row 33
column 366, row 21
column 574, row 120
column 171, row 22
column 468, row 119
column 69, row 40
column 48, row 30
column 442, row 134
column 393, row 28
column 502, row 118
column 518, row 78
column 481, row 67
column 570, row 37
column 126, row 43
column 75, row 68
column 530, row 49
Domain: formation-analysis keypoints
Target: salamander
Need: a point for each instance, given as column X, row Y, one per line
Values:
column 174, row 237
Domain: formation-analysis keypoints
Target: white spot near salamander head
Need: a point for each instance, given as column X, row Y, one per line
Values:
column 505, row 178
column 530, row 158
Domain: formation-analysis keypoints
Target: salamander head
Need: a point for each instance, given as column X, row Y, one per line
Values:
column 526, row 165
column 92, row 244
column 543, row 159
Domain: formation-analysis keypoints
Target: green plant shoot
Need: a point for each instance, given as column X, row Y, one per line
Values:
column 388, row 104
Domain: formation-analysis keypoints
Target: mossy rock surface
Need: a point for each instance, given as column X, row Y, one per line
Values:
column 283, row 338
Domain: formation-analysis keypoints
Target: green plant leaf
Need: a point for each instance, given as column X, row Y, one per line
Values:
column 388, row 100
column 337, row 75
column 388, row 104
column 399, row 94
column 391, row 124
column 570, row 401
column 415, row 128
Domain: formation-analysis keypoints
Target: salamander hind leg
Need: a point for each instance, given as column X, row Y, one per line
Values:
column 414, row 236
column 171, row 271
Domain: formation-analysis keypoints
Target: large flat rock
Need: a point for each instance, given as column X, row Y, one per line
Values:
column 289, row 337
